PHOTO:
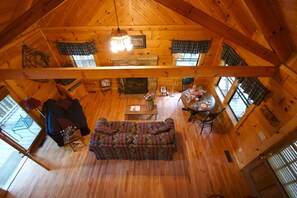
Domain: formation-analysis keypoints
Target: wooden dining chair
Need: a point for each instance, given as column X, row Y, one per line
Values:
column 206, row 119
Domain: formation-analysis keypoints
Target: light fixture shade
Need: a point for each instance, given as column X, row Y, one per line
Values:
column 120, row 41
column 32, row 103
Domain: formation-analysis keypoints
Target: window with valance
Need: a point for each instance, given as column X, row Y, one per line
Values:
column 189, row 52
column 249, row 90
column 230, row 57
column 86, row 48
column 81, row 53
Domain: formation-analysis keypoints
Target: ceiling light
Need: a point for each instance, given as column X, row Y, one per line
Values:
column 120, row 40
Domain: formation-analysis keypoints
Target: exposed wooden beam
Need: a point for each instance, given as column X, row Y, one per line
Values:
column 273, row 31
column 220, row 28
column 40, row 9
column 137, row 71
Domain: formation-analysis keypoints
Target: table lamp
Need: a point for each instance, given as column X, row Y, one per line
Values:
column 33, row 103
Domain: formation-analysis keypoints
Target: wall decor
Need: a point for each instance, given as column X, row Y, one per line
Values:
column 269, row 116
column 33, row 58
column 138, row 41
column 105, row 84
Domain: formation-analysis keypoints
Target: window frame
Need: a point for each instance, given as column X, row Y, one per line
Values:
column 181, row 58
column 226, row 99
column 230, row 80
column 243, row 99
column 73, row 58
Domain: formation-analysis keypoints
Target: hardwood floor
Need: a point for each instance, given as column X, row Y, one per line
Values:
column 199, row 169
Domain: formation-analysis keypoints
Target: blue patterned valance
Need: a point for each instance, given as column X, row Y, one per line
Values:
column 254, row 88
column 86, row 48
column 192, row 47
column 230, row 57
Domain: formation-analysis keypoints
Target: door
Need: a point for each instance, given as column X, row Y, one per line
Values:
column 262, row 180
column 18, row 126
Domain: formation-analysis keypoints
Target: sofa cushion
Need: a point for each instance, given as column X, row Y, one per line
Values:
column 105, row 130
column 161, row 128
column 145, row 127
column 122, row 138
column 149, row 139
column 123, row 127
column 118, row 138
column 102, row 122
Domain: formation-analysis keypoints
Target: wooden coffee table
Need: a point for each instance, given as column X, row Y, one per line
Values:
column 142, row 111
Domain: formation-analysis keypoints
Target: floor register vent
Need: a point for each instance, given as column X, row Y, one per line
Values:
column 228, row 156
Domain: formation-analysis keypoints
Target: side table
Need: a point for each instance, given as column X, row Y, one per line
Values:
column 75, row 139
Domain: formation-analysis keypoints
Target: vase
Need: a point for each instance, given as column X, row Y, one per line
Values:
column 149, row 105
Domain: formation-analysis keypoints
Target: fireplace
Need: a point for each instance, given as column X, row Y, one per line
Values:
column 130, row 86
column 135, row 85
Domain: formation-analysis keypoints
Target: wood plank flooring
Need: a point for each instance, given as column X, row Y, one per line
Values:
column 199, row 169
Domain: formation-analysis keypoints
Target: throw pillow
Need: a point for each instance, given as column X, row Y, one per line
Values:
column 105, row 130
column 64, row 104
column 64, row 123
column 160, row 129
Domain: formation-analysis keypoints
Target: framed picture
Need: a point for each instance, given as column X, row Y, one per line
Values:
column 138, row 41
column 106, row 82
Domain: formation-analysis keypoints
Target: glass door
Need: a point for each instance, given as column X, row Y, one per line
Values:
column 17, row 125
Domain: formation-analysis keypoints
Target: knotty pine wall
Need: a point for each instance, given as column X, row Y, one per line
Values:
column 11, row 57
column 158, row 42
column 281, row 105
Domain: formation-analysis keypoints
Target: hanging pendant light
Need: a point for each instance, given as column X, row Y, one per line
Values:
column 120, row 40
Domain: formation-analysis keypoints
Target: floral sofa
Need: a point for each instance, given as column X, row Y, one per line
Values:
column 134, row 140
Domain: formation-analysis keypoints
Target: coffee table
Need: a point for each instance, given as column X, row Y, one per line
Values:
column 142, row 111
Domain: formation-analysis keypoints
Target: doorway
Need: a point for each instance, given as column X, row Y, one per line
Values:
column 18, row 126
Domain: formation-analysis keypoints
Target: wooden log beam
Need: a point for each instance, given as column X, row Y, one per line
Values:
column 274, row 32
column 220, row 28
column 40, row 9
column 137, row 71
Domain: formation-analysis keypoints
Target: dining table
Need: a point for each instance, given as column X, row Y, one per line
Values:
column 197, row 103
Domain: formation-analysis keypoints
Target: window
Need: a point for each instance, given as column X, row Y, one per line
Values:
column 84, row 60
column 225, row 84
column 187, row 52
column 187, row 59
column 20, row 128
column 245, row 90
column 284, row 165
column 239, row 103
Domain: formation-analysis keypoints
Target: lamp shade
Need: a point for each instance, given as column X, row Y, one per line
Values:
column 32, row 103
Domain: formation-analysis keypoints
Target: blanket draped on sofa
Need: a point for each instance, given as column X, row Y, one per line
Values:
column 134, row 140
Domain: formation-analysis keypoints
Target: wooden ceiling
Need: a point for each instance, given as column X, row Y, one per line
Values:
column 266, row 29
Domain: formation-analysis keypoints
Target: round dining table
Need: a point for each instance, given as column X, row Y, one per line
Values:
column 195, row 104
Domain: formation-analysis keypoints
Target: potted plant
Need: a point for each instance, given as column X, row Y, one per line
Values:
column 149, row 97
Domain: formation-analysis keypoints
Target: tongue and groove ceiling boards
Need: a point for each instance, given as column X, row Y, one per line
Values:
column 262, row 29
